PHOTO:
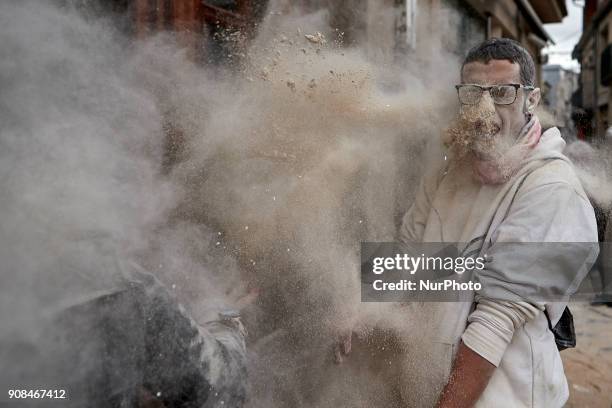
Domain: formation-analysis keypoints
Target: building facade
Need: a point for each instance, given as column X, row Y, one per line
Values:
column 458, row 24
column 389, row 30
column 558, row 85
column 593, row 51
column 211, row 31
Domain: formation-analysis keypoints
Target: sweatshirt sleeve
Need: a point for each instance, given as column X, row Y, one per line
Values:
column 492, row 325
column 540, row 252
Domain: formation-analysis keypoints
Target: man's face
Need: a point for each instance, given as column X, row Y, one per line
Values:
column 494, row 128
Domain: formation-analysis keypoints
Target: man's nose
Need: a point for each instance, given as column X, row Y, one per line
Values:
column 482, row 109
column 486, row 102
column 480, row 114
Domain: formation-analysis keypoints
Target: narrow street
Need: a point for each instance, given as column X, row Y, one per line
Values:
column 589, row 365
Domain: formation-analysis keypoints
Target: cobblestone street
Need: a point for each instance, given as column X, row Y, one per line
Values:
column 589, row 365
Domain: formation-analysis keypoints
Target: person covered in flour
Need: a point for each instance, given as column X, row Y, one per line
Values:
column 505, row 181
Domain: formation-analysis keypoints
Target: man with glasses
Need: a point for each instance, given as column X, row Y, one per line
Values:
column 504, row 181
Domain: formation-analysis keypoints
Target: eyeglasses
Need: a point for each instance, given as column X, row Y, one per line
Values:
column 470, row 94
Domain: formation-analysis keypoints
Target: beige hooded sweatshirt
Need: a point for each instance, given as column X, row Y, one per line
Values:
column 542, row 202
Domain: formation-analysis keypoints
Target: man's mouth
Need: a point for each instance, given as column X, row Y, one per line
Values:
column 485, row 125
column 476, row 132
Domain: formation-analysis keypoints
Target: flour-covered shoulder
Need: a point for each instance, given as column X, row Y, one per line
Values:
column 551, row 206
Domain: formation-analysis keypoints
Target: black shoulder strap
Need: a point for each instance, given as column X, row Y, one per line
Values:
column 564, row 332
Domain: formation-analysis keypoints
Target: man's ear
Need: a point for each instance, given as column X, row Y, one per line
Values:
column 533, row 99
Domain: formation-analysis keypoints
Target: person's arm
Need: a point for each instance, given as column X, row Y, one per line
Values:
column 469, row 377
column 490, row 330
column 188, row 364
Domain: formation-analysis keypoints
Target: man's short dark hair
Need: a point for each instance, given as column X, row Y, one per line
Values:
column 504, row 49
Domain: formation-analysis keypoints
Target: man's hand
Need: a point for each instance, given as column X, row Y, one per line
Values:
column 470, row 375
column 342, row 346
